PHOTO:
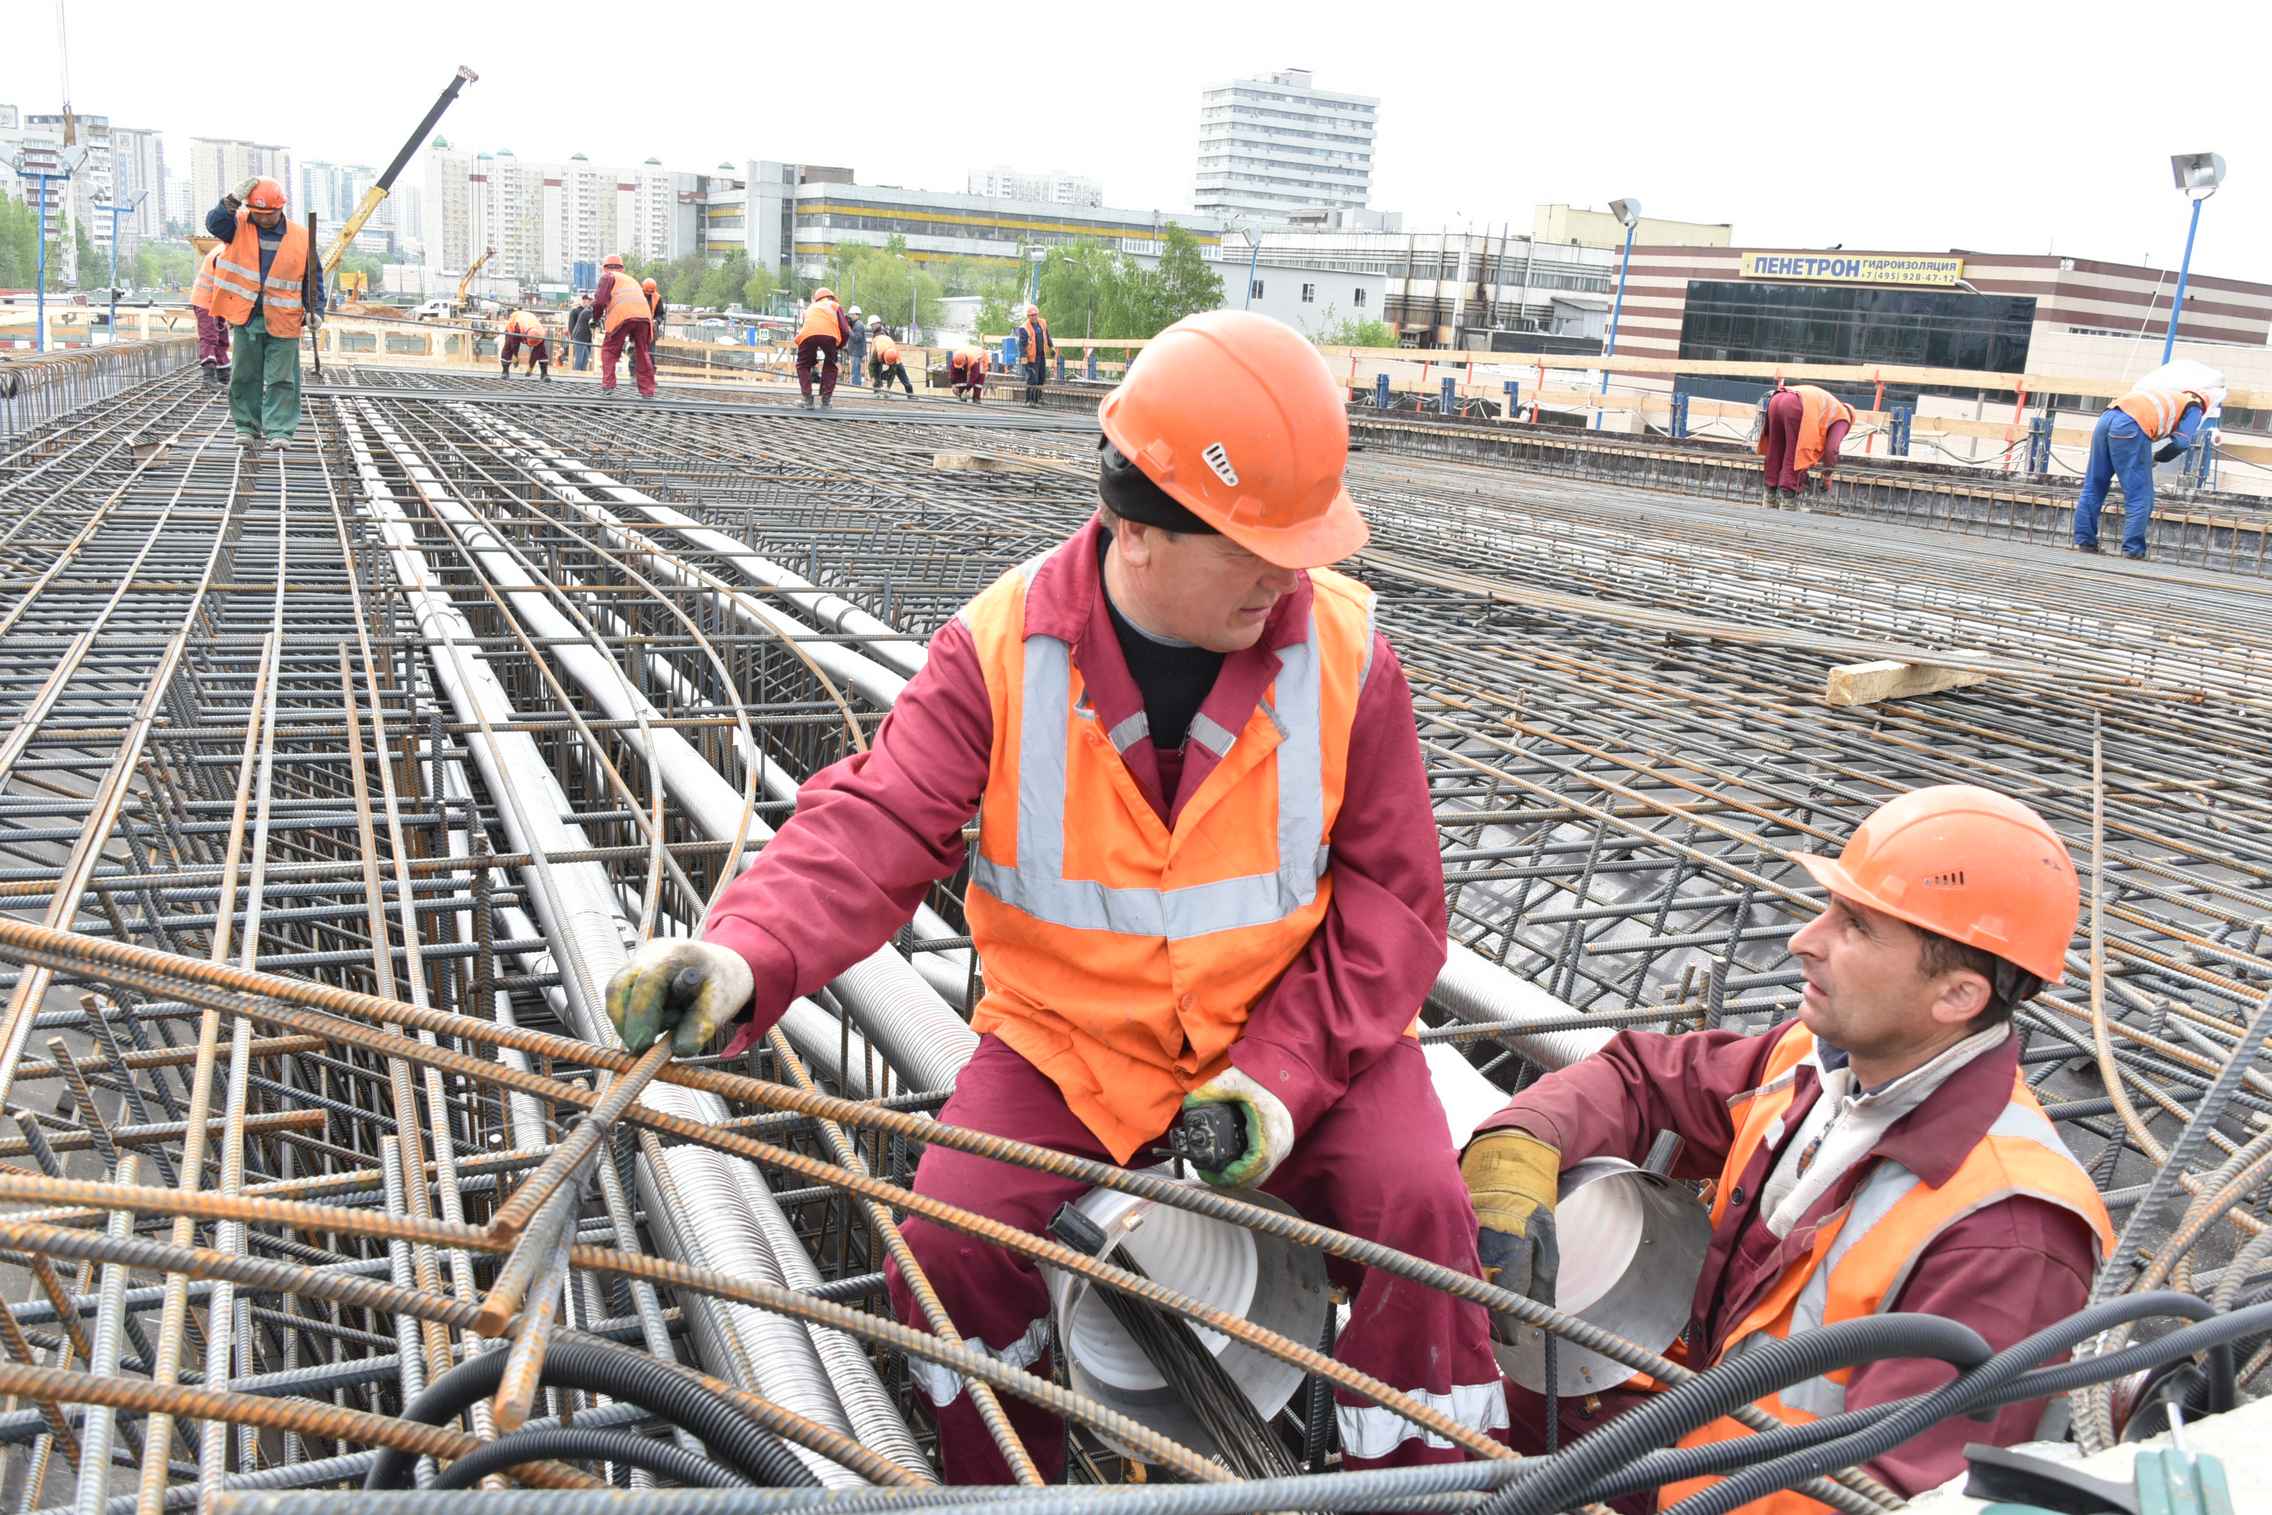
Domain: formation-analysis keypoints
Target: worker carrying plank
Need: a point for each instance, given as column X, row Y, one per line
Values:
column 1035, row 349
column 1206, row 875
column 525, row 328
column 257, row 292
column 820, row 337
column 1880, row 1152
column 2151, row 424
column 621, row 308
column 1806, row 425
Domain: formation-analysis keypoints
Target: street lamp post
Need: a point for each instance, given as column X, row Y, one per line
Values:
column 2197, row 176
column 1628, row 213
column 116, row 210
column 1253, row 263
column 69, row 159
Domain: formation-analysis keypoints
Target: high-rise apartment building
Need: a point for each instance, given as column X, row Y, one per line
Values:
column 1000, row 183
column 138, row 159
column 1271, row 146
column 219, row 164
column 544, row 218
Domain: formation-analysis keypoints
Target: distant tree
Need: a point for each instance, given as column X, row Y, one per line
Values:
column 19, row 244
column 758, row 288
column 1184, row 284
column 164, row 265
column 1333, row 332
column 721, row 286
column 92, row 270
column 997, row 296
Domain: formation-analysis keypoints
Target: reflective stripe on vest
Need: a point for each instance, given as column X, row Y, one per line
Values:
column 1374, row 1431
column 238, row 284
column 1122, row 955
column 2157, row 411
column 201, row 292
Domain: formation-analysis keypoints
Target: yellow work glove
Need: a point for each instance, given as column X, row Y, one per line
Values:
column 1513, row 1178
column 1269, row 1128
column 681, row 989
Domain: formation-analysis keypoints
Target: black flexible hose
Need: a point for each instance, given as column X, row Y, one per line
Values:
column 1975, row 1386
column 1680, row 1463
column 587, row 1444
column 664, row 1388
column 1737, row 1381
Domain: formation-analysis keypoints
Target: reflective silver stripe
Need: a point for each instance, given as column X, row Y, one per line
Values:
column 1212, row 735
column 249, row 291
column 1373, row 1431
column 1037, row 884
column 278, row 297
column 1888, row 1184
column 1365, row 670
column 944, row 1385
column 233, row 266
column 1131, row 731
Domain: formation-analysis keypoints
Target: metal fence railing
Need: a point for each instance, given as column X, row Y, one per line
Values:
column 39, row 388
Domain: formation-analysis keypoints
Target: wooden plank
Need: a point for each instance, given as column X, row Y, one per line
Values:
column 985, row 462
column 1887, row 679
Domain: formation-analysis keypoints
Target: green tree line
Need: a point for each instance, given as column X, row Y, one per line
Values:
column 1091, row 290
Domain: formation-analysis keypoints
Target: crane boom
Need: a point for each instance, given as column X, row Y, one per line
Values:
column 377, row 193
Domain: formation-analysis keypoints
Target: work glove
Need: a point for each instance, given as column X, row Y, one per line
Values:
column 1269, row 1128
column 683, row 989
column 1513, row 1178
column 2167, row 449
column 244, row 190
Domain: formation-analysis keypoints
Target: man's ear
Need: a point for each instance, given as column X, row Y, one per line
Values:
column 1961, row 997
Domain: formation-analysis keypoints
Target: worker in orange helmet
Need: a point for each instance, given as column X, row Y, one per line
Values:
column 258, row 278
column 1880, row 1151
column 525, row 327
column 820, row 337
column 654, row 294
column 966, row 373
column 621, row 308
column 212, row 331
column 1035, row 349
column 885, row 364
column 1206, row 875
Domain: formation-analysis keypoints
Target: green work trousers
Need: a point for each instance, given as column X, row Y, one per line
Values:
column 264, row 381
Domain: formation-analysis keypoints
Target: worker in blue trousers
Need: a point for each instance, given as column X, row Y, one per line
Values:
column 2144, row 427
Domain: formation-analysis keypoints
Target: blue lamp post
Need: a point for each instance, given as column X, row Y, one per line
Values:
column 115, row 210
column 1628, row 213
column 67, row 161
column 2197, row 176
column 1253, row 263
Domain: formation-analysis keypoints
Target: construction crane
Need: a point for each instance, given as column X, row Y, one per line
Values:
column 378, row 192
column 465, row 285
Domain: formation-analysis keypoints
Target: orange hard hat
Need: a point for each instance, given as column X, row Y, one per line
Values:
column 648, row 285
column 1237, row 419
column 266, row 194
column 612, row 260
column 824, row 293
column 1966, row 863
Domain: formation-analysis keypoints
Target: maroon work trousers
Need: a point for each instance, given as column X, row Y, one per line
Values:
column 639, row 336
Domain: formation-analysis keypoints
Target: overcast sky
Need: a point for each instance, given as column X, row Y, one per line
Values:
column 1993, row 125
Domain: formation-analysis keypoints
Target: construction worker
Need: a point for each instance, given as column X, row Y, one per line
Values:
column 654, row 294
column 2144, row 427
column 525, row 327
column 212, row 331
column 1161, row 923
column 620, row 306
column 966, row 371
column 257, row 291
column 1879, row 1152
column 858, row 343
column 884, row 365
column 820, row 337
column 1806, row 425
column 1034, row 352
column 580, row 331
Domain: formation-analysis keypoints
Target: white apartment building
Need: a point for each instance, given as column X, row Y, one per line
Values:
column 118, row 162
column 1271, row 146
column 219, row 164
column 1003, row 183
column 138, row 159
column 543, row 218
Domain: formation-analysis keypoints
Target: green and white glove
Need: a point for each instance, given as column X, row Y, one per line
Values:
column 685, row 990
column 1269, row 1128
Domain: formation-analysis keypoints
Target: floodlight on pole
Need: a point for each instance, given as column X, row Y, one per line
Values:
column 1628, row 213
column 2197, row 176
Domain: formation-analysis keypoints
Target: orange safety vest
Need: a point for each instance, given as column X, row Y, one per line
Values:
column 528, row 326
column 1121, row 956
column 201, row 292
column 238, row 285
column 888, row 354
column 2157, row 411
column 971, row 362
column 628, row 302
column 1819, row 411
column 821, row 321
column 1035, row 335
column 1863, row 1254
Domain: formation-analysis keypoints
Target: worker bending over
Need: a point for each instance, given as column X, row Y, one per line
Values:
column 2144, row 427
column 257, row 292
column 657, row 310
column 1206, row 872
column 966, row 372
column 884, row 365
column 524, row 327
column 212, row 331
column 1035, row 349
column 1880, row 1152
column 819, row 339
column 621, row 308
column 1806, row 425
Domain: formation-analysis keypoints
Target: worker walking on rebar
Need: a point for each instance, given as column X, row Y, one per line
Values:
column 1035, row 349
column 2144, row 427
column 212, row 331
column 884, row 366
column 966, row 373
column 525, row 328
column 1880, row 1152
column 1206, row 874
column 620, row 306
column 857, row 342
column 1806, row 425
column 820, row 337
column 257, row 292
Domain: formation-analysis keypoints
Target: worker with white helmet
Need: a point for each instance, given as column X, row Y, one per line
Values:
column 856, row 344
column 1035, row 349
column 2151, row 424
column 1879, row 1152
column 1206, row 875
column 258, row 279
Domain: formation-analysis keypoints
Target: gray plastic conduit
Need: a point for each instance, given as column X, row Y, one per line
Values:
column 1476, row 990
column 577, row 906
